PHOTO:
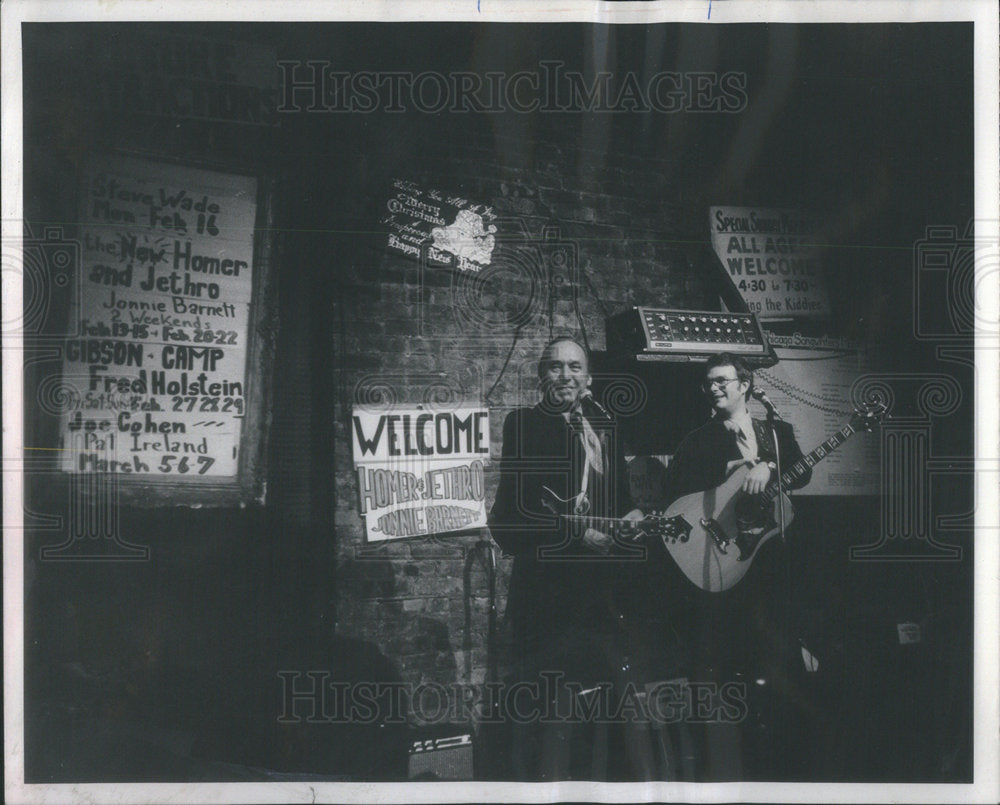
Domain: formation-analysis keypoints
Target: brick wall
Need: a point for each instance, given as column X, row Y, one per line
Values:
column 404, row 335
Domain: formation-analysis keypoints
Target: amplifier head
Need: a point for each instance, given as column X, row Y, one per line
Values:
column 442, row 758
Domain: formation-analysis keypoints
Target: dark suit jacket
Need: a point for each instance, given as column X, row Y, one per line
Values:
column 701, row 458
column 571, row 591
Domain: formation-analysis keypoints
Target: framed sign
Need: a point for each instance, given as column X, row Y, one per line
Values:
column 165, row 377
column 445, row 230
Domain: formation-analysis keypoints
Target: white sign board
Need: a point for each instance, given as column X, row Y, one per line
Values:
column 420, row 472
column 156, row 380
column 771, row 257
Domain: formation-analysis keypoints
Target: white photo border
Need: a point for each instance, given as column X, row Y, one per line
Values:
column 983, row 13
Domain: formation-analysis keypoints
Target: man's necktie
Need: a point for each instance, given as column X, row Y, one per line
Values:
column 591, row 444
column 743, row 443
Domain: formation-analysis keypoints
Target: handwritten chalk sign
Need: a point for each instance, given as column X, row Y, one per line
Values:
column 771, row 257
column 442, row 229
column 419, row 471
column 156, row 380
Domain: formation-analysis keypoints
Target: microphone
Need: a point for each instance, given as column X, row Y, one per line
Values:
column 762, row 398
column 588, row 397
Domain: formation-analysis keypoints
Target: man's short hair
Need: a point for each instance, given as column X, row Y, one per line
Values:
column 743, row 371
column 559, row 339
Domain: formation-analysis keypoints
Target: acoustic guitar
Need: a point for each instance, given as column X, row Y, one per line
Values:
column 714, row 536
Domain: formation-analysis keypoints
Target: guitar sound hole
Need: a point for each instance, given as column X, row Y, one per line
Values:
column 750, row 512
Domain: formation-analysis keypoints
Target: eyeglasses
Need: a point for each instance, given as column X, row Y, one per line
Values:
column 719, row 383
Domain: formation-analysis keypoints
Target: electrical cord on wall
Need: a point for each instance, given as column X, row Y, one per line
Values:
column 482, row 552
column 579, row 319
column 593, row 292
column 503, row 369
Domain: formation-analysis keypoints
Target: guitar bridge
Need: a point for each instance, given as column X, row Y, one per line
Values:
column 717, row 533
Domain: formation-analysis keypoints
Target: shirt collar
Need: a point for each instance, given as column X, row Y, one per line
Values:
column 740, row 421
column 569, row 412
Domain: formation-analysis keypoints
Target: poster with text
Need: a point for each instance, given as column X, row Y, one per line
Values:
column 446, row 230
column 420, row 472
column 770, row 256
column 157, row 379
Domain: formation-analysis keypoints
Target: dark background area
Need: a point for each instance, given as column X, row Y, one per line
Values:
column 868, row 126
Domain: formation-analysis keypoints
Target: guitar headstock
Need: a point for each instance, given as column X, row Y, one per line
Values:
column 869, row 416
column 668, row 529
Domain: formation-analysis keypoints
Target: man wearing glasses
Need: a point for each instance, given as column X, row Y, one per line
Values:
column 738, row 636
column 731, row 438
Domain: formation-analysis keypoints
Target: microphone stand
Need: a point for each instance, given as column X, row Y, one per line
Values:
column 483, row 552
column 772, row 417
column 588, row 399
column 771, row 421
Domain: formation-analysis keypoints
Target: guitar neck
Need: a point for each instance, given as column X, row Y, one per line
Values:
column 598, row 523
column 804, row 464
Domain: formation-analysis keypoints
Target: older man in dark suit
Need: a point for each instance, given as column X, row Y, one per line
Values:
column 567, row 606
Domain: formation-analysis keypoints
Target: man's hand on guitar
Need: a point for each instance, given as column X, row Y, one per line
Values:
column 735, row 464
column 757, row 479
column 597, row 541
